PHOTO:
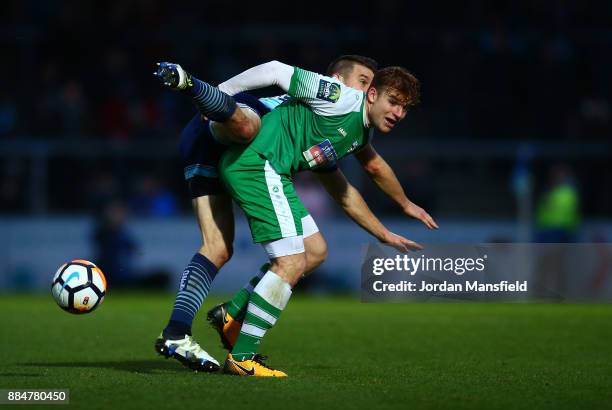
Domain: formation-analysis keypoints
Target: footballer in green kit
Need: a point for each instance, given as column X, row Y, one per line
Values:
column 322, row 122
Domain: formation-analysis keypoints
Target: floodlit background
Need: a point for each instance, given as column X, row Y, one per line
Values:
column 510, row 144
column 511, row 141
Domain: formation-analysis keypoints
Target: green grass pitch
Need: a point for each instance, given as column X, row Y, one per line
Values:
column 339, row 353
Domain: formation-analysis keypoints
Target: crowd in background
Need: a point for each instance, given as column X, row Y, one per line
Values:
column 505, row 69
column 501, row 70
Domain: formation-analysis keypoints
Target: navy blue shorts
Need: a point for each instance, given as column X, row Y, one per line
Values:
column 201, row 152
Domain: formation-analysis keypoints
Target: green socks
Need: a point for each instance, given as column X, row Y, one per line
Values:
column 237, row 306
column 265, row 305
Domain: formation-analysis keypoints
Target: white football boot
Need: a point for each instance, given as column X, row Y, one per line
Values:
column 188, row 352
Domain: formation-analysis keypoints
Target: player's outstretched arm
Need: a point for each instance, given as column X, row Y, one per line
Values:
column 383, row 176
column 326, row 95
column 261, row 76
column 353, row 204
column 245, row 124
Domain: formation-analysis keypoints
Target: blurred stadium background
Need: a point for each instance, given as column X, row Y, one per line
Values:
column 511, row 142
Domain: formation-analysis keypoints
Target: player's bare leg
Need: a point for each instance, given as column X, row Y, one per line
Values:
column 238, row 125
column 241, row 128
column 226, row 318
column 316, row 252
column 267, row 301
column 216, row 221
column 289, row 268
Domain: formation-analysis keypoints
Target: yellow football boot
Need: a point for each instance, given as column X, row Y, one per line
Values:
column 227, row 326
column 250, row 367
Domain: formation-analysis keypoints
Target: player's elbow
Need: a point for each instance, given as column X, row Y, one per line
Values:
column 274, row 64
column 373, row 168
column 280, row 72
column 339, row 194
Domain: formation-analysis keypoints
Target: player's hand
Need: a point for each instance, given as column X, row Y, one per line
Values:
column 419, row 213
column 400, row 243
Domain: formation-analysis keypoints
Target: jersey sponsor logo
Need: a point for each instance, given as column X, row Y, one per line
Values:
column 328, row 91
column 342, row 132
column 320, row 154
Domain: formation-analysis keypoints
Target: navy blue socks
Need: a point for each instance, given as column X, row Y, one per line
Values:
column 211, row 102
column 194, row 286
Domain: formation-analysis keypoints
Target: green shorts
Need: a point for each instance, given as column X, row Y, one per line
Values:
column 268, row 199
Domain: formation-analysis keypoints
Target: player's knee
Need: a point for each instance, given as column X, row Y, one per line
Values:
column 295, row 263
column 245, row 125
column 218, row 253
column 316, row 251
column 226, row 253
column 290, row 267
column 316, row 256
column 246, row 130
column 320, row 257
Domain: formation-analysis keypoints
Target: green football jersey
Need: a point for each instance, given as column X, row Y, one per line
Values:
column 324, row 122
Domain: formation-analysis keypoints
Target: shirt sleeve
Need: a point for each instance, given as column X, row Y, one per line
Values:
column 326, row 95
column 263, row 75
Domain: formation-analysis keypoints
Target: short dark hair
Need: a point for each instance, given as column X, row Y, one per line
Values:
column 343, row 65
column 398, row 80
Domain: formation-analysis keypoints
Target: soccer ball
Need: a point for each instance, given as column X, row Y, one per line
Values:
column 78, row 286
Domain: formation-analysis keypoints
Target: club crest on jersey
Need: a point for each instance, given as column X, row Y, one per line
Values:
column 321, row 154
column 328, row 91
